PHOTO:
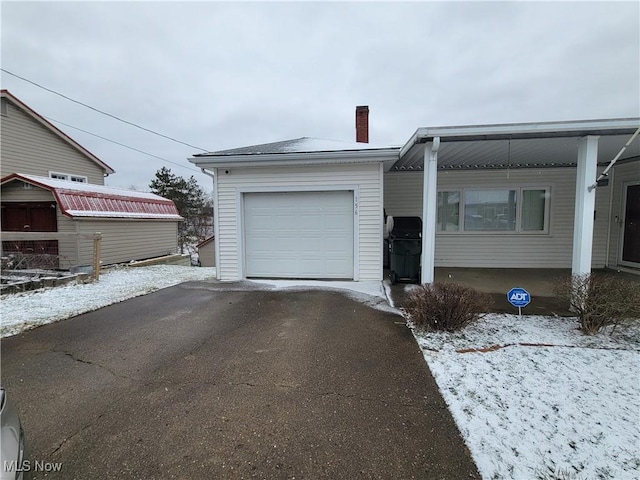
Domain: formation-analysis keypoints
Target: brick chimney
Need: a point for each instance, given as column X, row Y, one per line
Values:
column 362, row 124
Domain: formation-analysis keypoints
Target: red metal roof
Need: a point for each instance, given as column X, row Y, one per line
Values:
column 205, row 241
column 82, row 200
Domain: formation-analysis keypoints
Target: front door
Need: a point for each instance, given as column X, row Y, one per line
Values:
column 631, row 226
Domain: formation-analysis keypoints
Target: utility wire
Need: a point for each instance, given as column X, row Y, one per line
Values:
column 122, row 144
column 102, row 112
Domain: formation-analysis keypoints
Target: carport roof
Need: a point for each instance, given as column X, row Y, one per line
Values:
column 85, row 200
column 523, row 145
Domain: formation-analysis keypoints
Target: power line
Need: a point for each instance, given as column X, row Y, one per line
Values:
column 102, row 112
column 122, row 144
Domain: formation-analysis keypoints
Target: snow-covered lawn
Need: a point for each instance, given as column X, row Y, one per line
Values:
column 27, row 310
column 533, row 396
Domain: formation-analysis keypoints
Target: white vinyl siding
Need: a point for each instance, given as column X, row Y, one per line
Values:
column 621, row 174
column 366, row 178
column 28, row 147
column 553, row 249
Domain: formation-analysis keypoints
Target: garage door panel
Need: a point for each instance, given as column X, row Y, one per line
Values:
column 299, row 234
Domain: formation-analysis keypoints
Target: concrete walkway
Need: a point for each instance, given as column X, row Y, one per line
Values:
column 210, row 380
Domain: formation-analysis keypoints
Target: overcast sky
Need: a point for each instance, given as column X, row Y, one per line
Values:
column 224, row 75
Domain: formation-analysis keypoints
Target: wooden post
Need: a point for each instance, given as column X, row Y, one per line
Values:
column 97, row 238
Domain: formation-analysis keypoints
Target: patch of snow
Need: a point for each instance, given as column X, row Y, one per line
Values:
column 387, row 291
column 370, row 293
column 562, row 402
column 109, row 214
column 90, row 187
column 30, row 309
column 310, row 144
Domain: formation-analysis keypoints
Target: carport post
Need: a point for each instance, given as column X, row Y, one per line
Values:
column 585, row 205
column 429, row 209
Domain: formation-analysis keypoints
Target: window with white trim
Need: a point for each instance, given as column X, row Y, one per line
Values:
column 512, row 210
column 68, row 177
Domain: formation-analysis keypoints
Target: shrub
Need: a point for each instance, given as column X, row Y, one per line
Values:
column 446, row 306
column 599, row 299
column 558, row 474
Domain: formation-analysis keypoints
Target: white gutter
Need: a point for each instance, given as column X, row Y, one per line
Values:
column 297, row 158
column 515, row 129
column 522, row 130
column 608, row 250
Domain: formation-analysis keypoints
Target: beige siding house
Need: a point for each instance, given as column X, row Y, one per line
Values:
column 32, row 145
column 207, row 252
column 537, row 195
column 54, row 200
column 550, row 247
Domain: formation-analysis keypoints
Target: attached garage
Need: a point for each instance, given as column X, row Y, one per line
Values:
column 299, row 234
column 303, row 208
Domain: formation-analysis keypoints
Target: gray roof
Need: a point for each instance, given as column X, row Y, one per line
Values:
column 296, row 145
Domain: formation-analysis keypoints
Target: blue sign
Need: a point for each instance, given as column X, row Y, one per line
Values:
column 519, row 297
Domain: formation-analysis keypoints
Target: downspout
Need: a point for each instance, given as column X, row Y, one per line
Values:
column 606, row 261
column 216, row 240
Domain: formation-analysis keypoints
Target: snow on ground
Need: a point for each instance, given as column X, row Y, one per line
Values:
column 30, row 309
column 550, row 401
column 531, row 395
column 372, row 294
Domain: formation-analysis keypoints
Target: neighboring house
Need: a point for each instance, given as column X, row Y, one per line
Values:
column 54, row 199
column 33, row 145
column 503, row 196
column 207, row 252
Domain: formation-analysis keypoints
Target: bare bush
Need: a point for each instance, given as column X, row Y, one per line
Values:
column 599, row 299
column 446, row 306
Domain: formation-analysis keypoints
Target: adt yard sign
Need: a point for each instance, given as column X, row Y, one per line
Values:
column 519, row 297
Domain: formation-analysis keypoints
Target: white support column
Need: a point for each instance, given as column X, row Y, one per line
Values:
column 585, row 204
column 429, row 210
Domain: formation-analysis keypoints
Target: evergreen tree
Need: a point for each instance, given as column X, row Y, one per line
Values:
column 192, row 203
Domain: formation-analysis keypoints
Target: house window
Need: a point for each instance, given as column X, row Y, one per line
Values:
column 489, row 210
column 514, row 210
column 534, row 203
column 448, row 211
column 58, row 176
column 68, row 177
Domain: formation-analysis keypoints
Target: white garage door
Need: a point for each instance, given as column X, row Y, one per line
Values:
column 299, row 234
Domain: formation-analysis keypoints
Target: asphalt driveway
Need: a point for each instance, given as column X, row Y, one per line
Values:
column 209, row 381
